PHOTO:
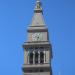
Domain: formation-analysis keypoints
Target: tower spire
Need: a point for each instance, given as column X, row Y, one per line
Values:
column 38, row 19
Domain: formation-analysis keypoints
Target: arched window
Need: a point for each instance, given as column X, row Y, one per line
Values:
column 31, row 58
column 36, row 57
column 41, row 57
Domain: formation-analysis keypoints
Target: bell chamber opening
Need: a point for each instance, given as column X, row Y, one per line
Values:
column 31, row 58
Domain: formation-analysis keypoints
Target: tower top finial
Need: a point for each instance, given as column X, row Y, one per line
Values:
column 38, row 7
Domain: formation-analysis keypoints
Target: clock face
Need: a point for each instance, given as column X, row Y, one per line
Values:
column 37, row 37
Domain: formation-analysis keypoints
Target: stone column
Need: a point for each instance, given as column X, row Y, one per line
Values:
column 39, row 57
column 33, row 57
column 44, row 56
column 28, row 58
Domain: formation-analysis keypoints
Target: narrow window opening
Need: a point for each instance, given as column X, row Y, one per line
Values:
column 41, row 57
column 36, row 57
column 31, row 58
column 41, row 70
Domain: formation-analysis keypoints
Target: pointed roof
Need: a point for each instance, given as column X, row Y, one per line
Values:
column 38, row 19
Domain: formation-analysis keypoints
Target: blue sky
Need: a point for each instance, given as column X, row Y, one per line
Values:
column 16, row 15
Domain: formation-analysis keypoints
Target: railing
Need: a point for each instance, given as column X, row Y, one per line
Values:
column 36, row 65
column 38, row 73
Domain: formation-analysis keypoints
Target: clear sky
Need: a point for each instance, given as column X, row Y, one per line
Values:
column 16, row 15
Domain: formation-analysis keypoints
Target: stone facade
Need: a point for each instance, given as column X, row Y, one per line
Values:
column 37, row 49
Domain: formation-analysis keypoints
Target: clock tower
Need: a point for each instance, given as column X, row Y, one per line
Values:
column 37, row 49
